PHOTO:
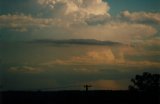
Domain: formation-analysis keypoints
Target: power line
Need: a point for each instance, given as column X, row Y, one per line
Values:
column 62, row 87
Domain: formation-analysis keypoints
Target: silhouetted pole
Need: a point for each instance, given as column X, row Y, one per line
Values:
column 86, row 87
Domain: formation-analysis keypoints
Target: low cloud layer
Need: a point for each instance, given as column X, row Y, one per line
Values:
column 142, row 16
column 26, row 69
column 112, row 31
column 22, row 23
column 116, row 31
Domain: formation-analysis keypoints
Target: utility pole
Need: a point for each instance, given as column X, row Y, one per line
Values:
column 87, row 87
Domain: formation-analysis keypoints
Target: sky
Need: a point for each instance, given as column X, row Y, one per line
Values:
column 64, row 44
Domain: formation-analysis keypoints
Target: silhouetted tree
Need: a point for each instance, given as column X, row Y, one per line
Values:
column 146, row 82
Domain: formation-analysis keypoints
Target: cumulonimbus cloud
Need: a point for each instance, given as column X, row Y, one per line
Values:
column 105, row 57
column 91, row 58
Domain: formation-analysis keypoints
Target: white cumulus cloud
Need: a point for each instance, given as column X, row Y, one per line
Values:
column 76, row 9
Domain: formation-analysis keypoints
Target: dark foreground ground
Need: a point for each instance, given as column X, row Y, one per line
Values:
column 79, row 97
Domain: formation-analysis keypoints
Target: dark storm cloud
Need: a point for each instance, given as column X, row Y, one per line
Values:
column 79, row 42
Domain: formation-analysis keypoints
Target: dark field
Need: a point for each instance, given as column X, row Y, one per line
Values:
column 80, row 97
